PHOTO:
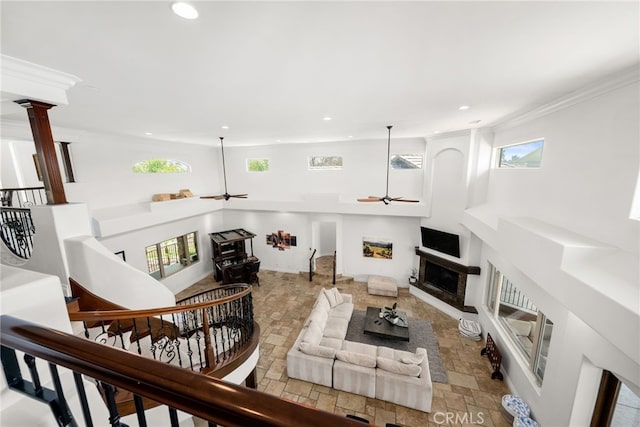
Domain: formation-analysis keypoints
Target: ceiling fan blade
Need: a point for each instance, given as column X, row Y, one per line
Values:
column 371, row 199
column 220, row 197
column 239, row 196
column 400, row 199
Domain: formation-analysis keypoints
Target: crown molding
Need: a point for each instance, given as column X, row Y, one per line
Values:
column 23, row 79
column 612, row 82
column 452, row 134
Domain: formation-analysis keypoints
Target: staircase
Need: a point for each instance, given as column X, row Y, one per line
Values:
column 323, row 273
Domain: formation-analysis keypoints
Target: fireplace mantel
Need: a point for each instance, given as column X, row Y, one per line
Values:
column 462, row 271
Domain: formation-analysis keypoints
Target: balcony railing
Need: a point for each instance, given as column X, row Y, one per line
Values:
column 22, row 197
column 16, row 226
column 115, row 371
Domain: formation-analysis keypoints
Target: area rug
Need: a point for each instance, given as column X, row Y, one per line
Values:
column 420, row 335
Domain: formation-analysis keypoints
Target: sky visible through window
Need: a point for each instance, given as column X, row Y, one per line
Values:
column 526, row 155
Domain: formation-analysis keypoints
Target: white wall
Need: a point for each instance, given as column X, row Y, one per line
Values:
column 562, row 234
column 589, row 169
column 289, row 178
column 402, row 232
column 135, row 242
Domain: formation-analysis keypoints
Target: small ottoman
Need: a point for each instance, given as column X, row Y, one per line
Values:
column 382, row 285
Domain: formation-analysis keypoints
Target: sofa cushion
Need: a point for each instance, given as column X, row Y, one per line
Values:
column 313, row 334
column 356, row 358
column 319, row 317
column 359, row 347
column 322, row 302
column 398, row 367
column 343, row 311
column 397, row 355
column 336, row 328
column 331, row 342
column 317, row 350
column 413, row 359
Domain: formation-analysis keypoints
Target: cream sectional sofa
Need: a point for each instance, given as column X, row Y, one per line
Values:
column 321, row 355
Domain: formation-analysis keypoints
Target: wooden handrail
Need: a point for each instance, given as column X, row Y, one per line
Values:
column 208, row 398
column 121, row 314
column 311, row 265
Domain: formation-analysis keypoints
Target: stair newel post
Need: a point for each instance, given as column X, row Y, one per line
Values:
column 208, row 353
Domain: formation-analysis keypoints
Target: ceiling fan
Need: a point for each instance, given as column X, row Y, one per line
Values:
column 386, row 199
column 226, row 195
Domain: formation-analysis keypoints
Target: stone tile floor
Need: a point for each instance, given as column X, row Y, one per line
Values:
column 283, row 301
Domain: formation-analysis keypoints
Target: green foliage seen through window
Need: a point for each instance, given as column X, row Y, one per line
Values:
column 161, row 166
column 257, row 165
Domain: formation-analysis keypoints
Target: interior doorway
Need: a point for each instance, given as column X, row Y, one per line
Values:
column 325, row 239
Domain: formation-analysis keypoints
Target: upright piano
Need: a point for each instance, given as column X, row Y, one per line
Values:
column 230, row 257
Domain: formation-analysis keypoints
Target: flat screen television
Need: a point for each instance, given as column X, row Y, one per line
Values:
column 441, row 241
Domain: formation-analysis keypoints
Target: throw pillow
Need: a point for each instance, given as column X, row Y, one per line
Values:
column 338, row 295
column 317, row 350
column 322, row 302
column 414, row 359
column 331, row 297
column 356, row 358
column 397, row 367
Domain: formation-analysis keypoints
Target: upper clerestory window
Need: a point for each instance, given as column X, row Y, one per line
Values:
column 524, row 155
column 161, row 166
column 325, row 162
column 257, row 165
column 406, row 161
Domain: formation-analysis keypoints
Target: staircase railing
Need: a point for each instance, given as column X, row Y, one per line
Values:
column 333, row 265
column 17, row 230
column 115, row 370
column 211, row 333
column 16, row 226
column 23, row 197
column 311, row 265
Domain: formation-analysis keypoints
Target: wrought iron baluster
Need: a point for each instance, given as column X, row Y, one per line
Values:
column 59, row 406
column 173, row 416
column 114, row 415
column 84, row 403
column 142, row 419
column 35, row 376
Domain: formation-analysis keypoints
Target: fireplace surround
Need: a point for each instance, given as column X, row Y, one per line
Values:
column 444, row 279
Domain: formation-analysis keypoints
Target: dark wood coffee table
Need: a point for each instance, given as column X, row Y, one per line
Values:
column 375, row 325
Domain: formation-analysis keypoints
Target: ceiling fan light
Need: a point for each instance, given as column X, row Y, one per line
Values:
column 184, row 10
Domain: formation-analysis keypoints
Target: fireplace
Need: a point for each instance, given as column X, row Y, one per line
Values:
column 444, row 279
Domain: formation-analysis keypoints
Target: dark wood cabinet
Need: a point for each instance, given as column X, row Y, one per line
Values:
column 230, row 256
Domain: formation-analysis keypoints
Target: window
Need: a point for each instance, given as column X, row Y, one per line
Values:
column 527, row 326
column 161, row 166
column 406, row 161
column 172, row 255
column 257, row 165
column 524, row 155
column 325, row 162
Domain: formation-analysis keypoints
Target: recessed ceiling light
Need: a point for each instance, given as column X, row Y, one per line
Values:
column 184, row 10
column 148, row 133
column 278, row 140
column 350, row 136
column 436, row 131
column 463, row 107
column 326, row 119
column 225, row 127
